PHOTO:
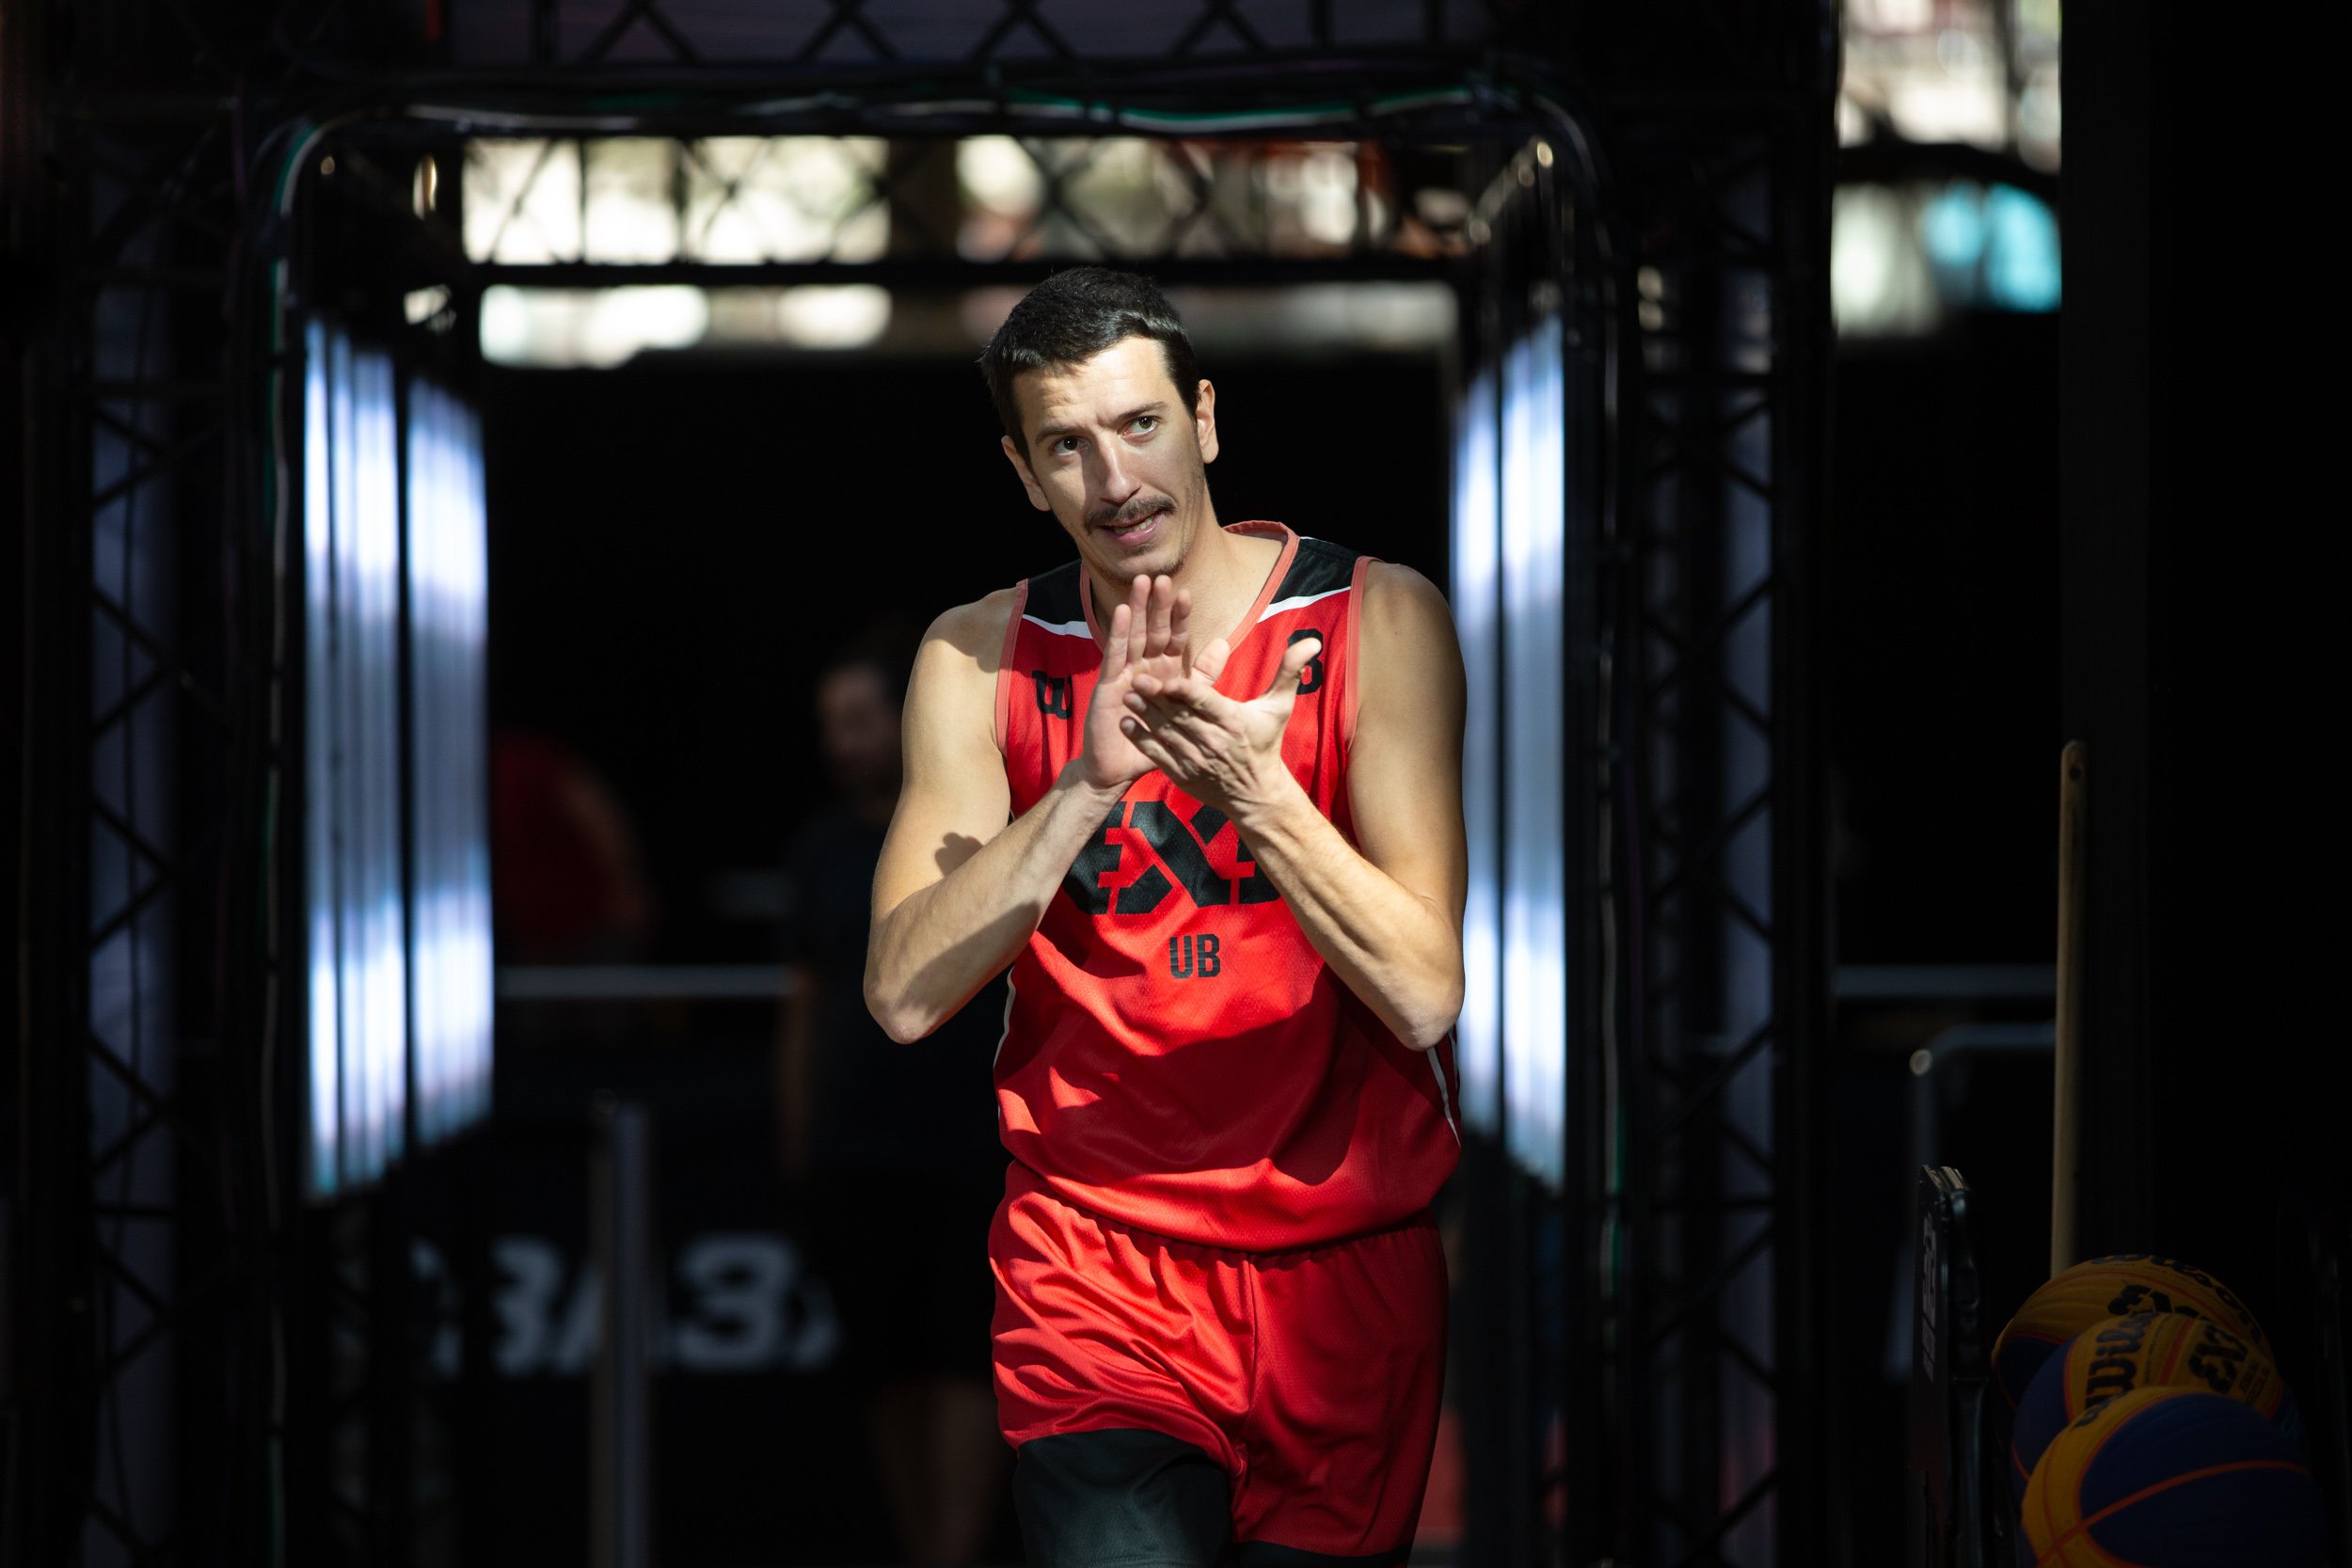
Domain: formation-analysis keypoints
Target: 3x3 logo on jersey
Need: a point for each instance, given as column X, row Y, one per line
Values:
column 1181, row 860
column 1180, row 851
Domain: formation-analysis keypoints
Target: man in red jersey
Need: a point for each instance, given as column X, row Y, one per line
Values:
column 1228, row 875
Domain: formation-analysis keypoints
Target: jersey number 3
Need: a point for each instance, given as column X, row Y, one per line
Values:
column 1310, row 678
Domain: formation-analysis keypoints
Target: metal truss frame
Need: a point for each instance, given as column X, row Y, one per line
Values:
column 1687, row 1222
column 1213, row 177
column 846, row 36
column 1700, row 1341
column 145, row 1203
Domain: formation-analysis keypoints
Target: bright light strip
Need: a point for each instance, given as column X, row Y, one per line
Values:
column 1477, row 586
column 477, row 962
column 359, row 1023
column 374, row 615
column 1534, row 678
column 318, row 551
column 428, row 609
column 448, row 600
column 344, row 802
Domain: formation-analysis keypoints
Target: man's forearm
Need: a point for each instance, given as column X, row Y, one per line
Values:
column 1397, row 951
column 940, row 944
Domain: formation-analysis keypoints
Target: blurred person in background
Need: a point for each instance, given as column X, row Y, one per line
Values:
column 894, row 1161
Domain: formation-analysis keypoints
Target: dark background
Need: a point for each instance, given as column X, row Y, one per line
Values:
column 1940, row 643
column 1940, row 700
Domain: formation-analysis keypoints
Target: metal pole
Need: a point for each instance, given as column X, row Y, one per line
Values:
column 2067, row 1083
column 620, row 1214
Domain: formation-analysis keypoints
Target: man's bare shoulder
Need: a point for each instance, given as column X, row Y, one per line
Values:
column 971, row 637
column 1404, row 611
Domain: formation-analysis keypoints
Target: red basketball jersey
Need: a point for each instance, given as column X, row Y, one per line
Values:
column 1177, row 1055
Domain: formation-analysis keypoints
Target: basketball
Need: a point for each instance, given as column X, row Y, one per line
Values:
column 2102, row 1287
column 2174, row 1478
column 2145, row 1350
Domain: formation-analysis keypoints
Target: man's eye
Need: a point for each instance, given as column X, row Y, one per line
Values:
column 1065, row 444
column 1146, row 424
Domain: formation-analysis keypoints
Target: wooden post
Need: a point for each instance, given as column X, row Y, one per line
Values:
column 2066, row 1098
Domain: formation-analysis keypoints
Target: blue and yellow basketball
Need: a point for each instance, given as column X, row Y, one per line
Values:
column 2145, row 1350
column 2073, row 1299
column 2174, row 1478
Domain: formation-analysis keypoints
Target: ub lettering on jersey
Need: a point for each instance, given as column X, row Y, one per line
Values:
column 1176, row 1055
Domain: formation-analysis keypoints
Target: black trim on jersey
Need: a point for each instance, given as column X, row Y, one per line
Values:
column 1054, row 596
column 1319, row 567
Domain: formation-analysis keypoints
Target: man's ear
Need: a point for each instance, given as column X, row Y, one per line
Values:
column 1204, row 421
column 1028, row 480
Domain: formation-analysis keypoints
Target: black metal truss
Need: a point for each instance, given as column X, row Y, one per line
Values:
column 160, row 128
column 1217, row 212
column 137, row 1165
column 1703, row 1224
column 848, row 33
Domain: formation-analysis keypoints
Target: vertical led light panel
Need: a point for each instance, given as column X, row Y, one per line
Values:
column 1535, row 680
column 359, row 979
column 449, row 762
column 318, row 860
column 1477, row 589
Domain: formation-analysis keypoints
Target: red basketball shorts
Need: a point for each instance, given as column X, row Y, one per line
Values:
column 1312, row 1377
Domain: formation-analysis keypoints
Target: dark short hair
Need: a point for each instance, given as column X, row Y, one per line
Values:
column 1071, row 317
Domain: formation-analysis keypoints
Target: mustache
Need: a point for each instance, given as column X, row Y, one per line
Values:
column 1129, row 515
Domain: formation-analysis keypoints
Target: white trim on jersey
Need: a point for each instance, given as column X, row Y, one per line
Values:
column 1281, row 606
column 1445, row 1096
column 1062, row 629
column 1004, row 1034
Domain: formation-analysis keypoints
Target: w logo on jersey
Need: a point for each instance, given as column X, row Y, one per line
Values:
column 1180, row 855
column 1053, row 693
